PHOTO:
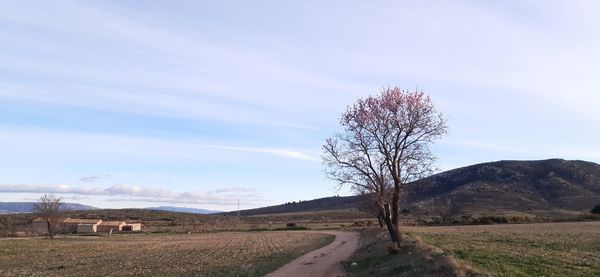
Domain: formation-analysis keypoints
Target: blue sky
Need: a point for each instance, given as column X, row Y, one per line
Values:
column 202, row 103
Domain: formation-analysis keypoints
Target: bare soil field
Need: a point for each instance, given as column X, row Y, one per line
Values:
column 210, row 254
column 543, row 249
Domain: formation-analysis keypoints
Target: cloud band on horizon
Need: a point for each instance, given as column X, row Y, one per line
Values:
column 126, row 193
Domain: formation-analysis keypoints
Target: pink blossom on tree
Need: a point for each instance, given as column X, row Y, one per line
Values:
column 383, row 147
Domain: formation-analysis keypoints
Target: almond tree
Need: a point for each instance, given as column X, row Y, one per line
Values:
column 49, row 207
column 383, row 147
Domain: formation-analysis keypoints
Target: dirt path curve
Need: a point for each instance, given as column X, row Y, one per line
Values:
column 324, row 261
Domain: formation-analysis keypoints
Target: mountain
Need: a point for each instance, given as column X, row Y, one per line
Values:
column 321, row 204
column 182, row 210
column 542, row 186
column 27, row 207
column 525, row 186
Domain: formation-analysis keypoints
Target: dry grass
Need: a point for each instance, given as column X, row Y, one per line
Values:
column 413, row 258
column 214, row 254
column 545, row 249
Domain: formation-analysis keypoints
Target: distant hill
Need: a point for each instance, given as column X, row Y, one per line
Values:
column 525, row 186
column 321, row 204
column 27, row 207
column 543, row 186
column 182, row 210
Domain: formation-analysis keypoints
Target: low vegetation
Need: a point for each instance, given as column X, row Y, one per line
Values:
column 209, row 254
column 545, row 249
column 377, row 257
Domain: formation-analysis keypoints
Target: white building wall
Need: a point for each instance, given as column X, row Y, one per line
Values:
column 87, row 228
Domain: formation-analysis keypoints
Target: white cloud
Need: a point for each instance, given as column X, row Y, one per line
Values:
column 125, row 193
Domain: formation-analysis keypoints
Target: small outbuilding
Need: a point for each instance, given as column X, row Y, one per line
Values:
column 132, row 227
column 71, row 225
column 106, row 226
column 87, row 228
column 39, row 225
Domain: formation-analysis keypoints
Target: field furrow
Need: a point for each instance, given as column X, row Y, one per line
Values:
column 211, row 254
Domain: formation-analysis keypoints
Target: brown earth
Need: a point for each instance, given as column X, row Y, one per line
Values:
column 206, row 254
column 325, row 261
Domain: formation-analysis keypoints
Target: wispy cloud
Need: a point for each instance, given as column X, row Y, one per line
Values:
column 93, row 178
column 213, row 81
column 293, row 154
column 125, row 193
column 66, row 142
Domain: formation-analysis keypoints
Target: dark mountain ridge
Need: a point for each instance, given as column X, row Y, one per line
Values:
column 553, row 185
column 320, row 204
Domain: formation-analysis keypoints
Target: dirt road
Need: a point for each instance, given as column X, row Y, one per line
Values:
column 324, row 261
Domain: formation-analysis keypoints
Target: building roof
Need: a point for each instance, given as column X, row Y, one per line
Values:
column 41, row 219
column 112, row 223
column 83, row 221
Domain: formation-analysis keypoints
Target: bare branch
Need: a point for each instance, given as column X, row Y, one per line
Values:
column 384, row 146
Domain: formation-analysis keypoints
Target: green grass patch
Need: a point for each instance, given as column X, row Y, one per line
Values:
column 523, row 253
column 373, row 259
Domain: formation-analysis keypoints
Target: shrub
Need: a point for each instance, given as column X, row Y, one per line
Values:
column 7, row 225
column 294, row 228
column 291, row 224
column 490, row 220
column 596, row 209
column 484, row 220
column 435, row 221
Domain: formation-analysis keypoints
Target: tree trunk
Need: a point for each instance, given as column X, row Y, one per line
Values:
column 393, row 229
column 50, row 229
column 380, row 217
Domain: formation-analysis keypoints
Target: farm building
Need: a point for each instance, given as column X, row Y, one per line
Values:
column 74, row 225
column 106, row 226
column 132, row 227
column 39, row 225
column 71, row 225
column 87, row 228
column 66, row 225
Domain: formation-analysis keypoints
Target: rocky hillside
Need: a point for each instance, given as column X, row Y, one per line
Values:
column 526, row 186
column 321, row 204
column 506, row 186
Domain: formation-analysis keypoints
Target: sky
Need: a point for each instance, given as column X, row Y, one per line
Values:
column 200, row 103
